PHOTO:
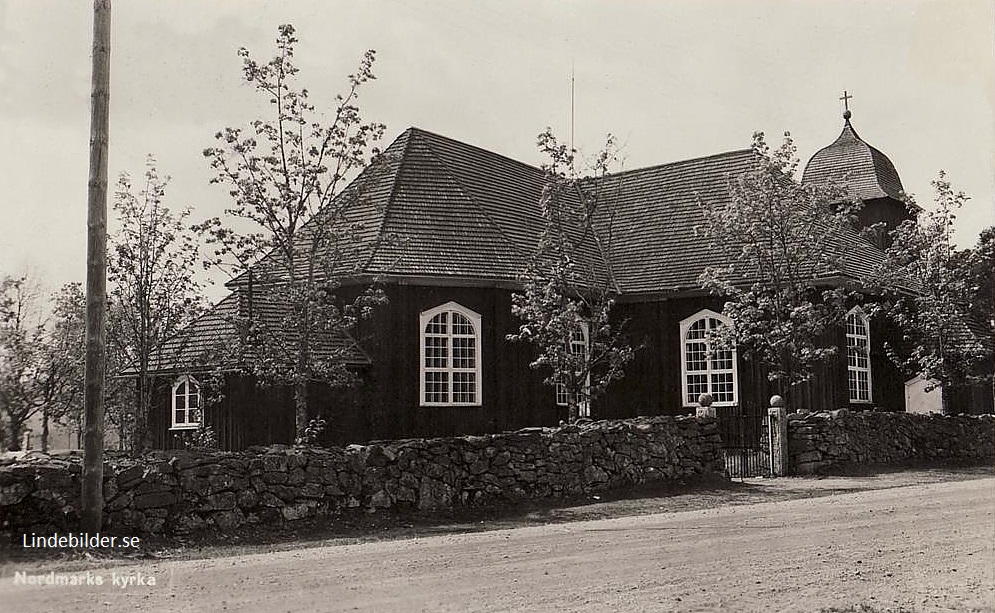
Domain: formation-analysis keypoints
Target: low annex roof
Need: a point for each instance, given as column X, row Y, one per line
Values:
column 203, row 343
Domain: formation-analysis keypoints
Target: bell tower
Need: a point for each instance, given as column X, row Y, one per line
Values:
column 869, row 174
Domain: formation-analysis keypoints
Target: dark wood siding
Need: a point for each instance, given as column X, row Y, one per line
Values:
column 652, row 385
column 653, row 381
column 244, row 415
column 385, row 403
column 886, row 211
column 513, row 395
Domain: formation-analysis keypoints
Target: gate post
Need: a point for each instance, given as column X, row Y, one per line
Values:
column 777, row 436
column 705, row 408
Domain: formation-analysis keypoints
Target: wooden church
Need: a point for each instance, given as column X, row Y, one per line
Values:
column 434, row 359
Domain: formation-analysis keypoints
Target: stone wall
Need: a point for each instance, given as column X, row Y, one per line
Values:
column 839, row 440
column 183, row 492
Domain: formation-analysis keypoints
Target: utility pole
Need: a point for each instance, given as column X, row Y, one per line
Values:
column 96, row 272
column 572, row 150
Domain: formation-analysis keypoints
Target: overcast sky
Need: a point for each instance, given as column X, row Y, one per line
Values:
column 672, row 79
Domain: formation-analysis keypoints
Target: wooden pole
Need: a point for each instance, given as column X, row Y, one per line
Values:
column 96, row 272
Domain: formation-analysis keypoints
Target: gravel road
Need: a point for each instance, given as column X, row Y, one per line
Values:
column 927, row 547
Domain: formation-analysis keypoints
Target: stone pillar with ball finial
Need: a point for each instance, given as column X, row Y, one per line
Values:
column 705, row 408
column 777, row 437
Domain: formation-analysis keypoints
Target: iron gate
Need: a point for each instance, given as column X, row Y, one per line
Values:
column 744, row 444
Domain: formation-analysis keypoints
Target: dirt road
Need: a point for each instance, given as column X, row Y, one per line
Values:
column 924, row 547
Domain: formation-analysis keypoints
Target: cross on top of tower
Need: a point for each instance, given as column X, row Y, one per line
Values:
column 846, row 104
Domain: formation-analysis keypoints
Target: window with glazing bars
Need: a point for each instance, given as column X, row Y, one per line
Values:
column 578, row 346
column 450, row 356
column 705, row 367
column 186, row 403
column 858, row 359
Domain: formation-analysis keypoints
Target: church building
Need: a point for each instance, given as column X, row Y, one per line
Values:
column 434, row 360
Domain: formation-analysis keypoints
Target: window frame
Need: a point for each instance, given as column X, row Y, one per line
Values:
column 188, row 424
column 852, row 393
column 685, row 327
column 475, row 321
column 584, row 408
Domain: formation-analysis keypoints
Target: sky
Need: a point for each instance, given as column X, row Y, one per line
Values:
column 672, row 80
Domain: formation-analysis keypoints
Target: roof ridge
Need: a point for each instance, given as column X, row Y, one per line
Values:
column 477, row 147
column 469, row 195
column 702, row 158
column 390, row 199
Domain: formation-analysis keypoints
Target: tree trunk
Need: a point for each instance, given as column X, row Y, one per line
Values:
column 141, row 441
column 300, row 404
column 573, row 410
column 122, row 436
column 44, row 430
column 16, row 431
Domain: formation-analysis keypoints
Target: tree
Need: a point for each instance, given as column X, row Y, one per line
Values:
column 284, row 175
column 40, row 370
column 154, row 291
column 568, row 288
column 933, row 294
column 21, row 334
column 120, row 392
column 6, row 316
column 782, row 239
column 64, row 358
column 981, row 275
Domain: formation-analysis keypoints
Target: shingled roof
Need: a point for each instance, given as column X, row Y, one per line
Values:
column 206, row 341
column 656, row 246
column 867, row 171
column 458, row 210
column 462, row 213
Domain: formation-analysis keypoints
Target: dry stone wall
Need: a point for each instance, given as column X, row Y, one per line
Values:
column 183, row 492
column 838, row 440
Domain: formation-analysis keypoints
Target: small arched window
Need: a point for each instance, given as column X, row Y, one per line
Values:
column 705, row 367
column 450, row 356
column 578, row 346
column 186, row 403
column 858, row 356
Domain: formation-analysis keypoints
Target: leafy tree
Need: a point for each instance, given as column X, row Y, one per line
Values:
column 120, row 391
column 38, row 372
column 285, row 174
column 933, row 293
column 781, row 237
column 67, row 347
column 64, row 358
column 153, row 289
column 982, row 276
column 20, row 332
column 981, row 273
column 567, row 296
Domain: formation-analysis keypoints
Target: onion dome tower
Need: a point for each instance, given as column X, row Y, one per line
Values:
column 870, row 175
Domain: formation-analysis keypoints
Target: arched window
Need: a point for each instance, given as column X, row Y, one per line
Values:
column 858, row 355
column 578, row 346
column 706, row 368
column 186, row 403
column 450, row 356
